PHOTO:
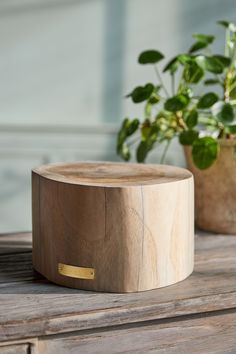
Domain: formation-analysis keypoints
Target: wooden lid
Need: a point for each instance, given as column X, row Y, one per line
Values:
column 112, row 174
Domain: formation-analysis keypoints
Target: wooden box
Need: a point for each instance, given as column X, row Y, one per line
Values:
column 113, row 227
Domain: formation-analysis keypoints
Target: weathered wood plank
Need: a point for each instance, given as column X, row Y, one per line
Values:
column 30, row 306
column 15, row 349
column 207, row 334
column 16, row 267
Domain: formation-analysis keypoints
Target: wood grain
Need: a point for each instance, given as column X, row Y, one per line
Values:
column 15, row 349
column 131, row 223
column 205, row 334
column 33, row 307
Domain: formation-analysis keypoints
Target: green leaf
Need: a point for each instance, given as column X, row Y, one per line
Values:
column 142, row 151
column 149, row 137
column 226, row 114
column 172, row 65
column 132, row 126
column 202, row 41
column 193, row 73
column 213, row 65
column 224, row 23
column 122, row 134
column 192, row 119
column 187, row 137
column 227, row 25
column 145, row 130
column 124, row 152
column 210, row 64
column 204, row 152
column 149, row 132
column 231, row 129
column 128, row 128
column 154, row 98
column 185, row 59
column 141, row 93
column 176, row 103
column 232, row 93
column 204, row 38
column 207, row 100
column 150, row 57
column 211, row 82
column 197, row 46
column 225, row 61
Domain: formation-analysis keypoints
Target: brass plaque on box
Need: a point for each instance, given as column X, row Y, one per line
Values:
column 76, row 272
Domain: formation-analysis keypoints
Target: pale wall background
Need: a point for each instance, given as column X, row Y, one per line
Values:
column 65, row 66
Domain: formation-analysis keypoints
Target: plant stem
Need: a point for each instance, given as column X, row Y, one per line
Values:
column 227, row 37
column 160, row 80
column 180, row 121
column 165, row 151
column 173, row 84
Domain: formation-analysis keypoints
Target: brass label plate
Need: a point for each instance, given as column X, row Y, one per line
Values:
column 76, row 272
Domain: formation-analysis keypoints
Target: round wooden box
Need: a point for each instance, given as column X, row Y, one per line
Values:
column 113, row 227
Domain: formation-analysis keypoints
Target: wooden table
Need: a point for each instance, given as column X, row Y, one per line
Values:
column 197, row 315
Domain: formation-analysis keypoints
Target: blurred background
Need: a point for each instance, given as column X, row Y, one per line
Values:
column 65, row 67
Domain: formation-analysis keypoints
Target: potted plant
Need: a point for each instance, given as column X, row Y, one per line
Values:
column 204, row 123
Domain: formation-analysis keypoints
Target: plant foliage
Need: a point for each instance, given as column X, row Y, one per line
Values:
column 197, row 120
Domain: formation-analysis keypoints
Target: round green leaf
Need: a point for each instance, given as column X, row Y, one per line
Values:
column 154, row 99
column 207, row 100
column 176, row 103
column 211, row 64
column 205, row 152
column 225, row 61
column 132, row 126
column 193, row 73
column 142, row 151
column 227, row 113
column 192, row 119
column 141, row 93
column 150, row 57
column 187, row 137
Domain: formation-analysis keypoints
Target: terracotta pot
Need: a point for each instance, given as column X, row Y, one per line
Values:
column 215, row 190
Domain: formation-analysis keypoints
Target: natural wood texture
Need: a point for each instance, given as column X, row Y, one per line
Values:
column 215, row 190
column 15, row 349
column 30, row 306
column 205, row 334
column 131, row 223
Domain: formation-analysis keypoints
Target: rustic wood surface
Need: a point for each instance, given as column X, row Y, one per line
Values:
column 15, row 349
column 201, row 335
column 30, row 306
column 132, row 225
